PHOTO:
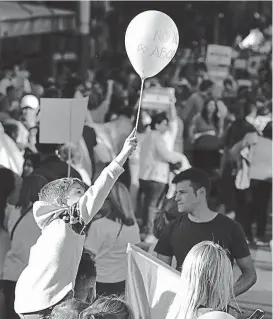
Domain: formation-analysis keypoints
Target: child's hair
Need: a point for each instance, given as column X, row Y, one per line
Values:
column 86, row 278
column 113, row 307
column 56, row 191
column 68, row 309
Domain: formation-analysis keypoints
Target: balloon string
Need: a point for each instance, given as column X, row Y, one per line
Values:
column 70, row 140
column 139, row 104
column 69, row 161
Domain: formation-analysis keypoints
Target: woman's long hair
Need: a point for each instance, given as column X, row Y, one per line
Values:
column 118, row 206
column 206, row 281
column 215, row 116
column 29, row 192
column 7, row 185
column 110, row 305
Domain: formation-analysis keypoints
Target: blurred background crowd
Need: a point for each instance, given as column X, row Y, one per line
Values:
column 76, row 49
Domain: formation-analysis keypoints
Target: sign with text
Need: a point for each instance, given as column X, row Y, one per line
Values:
column 218, row 55
column 62, row 120
column 158, row 98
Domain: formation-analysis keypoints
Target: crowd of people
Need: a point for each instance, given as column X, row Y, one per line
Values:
column 64, row 239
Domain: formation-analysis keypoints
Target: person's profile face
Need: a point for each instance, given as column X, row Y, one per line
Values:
column 29, row 116
column 74, row 194
column 185, row 197
column 28, row 168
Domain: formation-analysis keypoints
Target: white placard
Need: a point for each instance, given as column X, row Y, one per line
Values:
column 219, row 55
column 62, row 120
column 240, row 64
column 158, row 98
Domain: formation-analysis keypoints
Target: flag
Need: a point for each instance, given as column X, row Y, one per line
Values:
column 151, row 285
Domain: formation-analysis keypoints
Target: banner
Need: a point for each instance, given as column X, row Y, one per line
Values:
column 157, row 98
column 151, row 285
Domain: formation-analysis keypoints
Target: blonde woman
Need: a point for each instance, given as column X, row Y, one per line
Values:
column 206, row 284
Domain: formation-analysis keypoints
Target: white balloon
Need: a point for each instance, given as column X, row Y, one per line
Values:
column 151, row 41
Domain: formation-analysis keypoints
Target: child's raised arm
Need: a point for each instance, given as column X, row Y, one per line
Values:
column 94, row 197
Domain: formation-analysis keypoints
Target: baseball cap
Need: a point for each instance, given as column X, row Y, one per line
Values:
column 29, row 100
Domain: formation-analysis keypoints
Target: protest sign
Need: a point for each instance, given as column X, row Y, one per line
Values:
column 218, row 55
column 159, row 99
column 151, row 284
column 218, row 61
column 62, row 120
column 261, row 163
column 240, row 64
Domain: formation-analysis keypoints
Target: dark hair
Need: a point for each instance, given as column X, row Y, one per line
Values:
column 7, row 185
column 196, row 176
column 117, row 106
column 205, row 85
column 29, row 191
column 52, row 92
column 201, row 66
column 158, row 119
column 227, row 81
column 249, row 104
column 43, row 148
column 118, row 205
column 215, row 117
column 86, row 276
column 33, row 157
column 10, row 88
column 267, row 132
column 10, row 129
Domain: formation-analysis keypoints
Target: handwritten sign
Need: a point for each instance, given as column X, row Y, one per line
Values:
column 158, row 98
column 62, row 120
column 218, row 55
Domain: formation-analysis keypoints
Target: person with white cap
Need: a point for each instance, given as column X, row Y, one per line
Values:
column 29, row 105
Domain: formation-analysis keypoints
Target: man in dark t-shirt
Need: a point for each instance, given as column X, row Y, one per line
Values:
column 198, row 223
column 182, row 234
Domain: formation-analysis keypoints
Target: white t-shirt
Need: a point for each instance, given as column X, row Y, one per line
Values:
column 110, row 251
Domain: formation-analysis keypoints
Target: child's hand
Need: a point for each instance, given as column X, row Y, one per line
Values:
column 130, row 143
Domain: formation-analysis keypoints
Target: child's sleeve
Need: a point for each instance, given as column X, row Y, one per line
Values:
column 91, row 202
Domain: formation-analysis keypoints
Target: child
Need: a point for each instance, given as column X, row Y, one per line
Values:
column 62, row 212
